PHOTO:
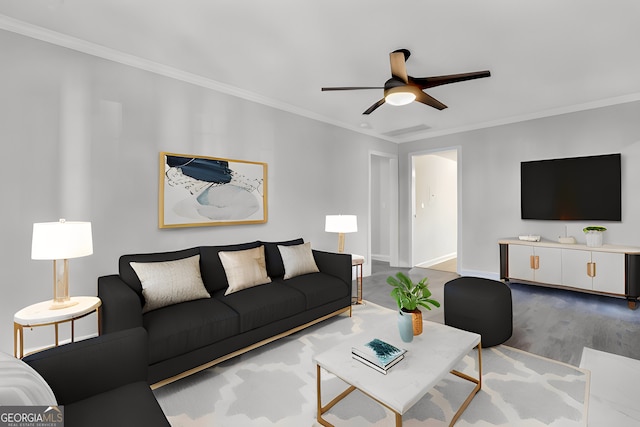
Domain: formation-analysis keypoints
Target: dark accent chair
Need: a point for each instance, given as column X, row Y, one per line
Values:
column 102, row 381
column 479, row 305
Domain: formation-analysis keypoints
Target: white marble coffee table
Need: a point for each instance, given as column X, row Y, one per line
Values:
column 429, row 358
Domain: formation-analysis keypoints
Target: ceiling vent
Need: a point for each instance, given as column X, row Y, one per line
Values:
column 405, row 131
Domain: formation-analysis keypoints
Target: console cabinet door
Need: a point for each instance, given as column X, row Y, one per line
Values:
column 575, row 269
column 520, row 262
column 609, row 271
column 579, row 268
column 545, row 268
column 549, row 265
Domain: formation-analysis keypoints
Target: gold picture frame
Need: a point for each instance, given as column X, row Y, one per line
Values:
column 197, row 191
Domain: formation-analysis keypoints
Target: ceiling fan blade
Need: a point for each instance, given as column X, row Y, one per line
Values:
column 350, row 88
column 427, row 82
column 430, row 101
column 398, row 65
column 374, row 106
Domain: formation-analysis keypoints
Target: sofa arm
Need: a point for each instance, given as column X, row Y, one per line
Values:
column 82, row 369
column 335, row 264
column 121, row 306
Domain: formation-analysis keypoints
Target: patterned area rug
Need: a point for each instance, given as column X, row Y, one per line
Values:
column 275, row 385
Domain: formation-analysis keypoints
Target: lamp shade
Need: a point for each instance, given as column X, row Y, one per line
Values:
column 341, row 224
column 61, row 240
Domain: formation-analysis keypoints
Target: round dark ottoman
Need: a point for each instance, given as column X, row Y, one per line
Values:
column 479, row 305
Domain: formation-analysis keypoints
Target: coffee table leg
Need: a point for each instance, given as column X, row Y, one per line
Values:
column 319, row 395
column 338, row 398
column 398, row 419
column 476, row 389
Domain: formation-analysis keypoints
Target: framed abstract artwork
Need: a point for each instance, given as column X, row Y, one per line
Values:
column 203, row 191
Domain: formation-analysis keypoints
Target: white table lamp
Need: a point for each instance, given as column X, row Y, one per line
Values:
column 341, row 224
column 60, row 241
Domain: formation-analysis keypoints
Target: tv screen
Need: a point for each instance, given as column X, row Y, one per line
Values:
column 572, row 189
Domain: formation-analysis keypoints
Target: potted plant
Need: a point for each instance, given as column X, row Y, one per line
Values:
column 409, row 296
column 594, row 235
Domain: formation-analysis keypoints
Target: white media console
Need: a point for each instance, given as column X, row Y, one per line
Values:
column 607, row 270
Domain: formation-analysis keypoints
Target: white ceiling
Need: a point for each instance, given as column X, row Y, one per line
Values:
column 545, row 56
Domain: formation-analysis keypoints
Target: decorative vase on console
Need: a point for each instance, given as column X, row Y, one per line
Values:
column 594, row 235
column 409, row 296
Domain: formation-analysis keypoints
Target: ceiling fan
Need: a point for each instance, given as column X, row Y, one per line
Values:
column 402, row 89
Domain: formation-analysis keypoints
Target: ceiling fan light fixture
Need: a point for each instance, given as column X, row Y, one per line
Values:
column 403, row 89
column 400, row 98
column 401, row 95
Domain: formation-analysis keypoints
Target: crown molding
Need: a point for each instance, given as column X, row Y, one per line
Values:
column 33, row 31
column 39, row 33
column 625, row 99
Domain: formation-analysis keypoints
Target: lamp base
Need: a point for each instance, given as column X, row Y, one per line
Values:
column 57, row 305
column 61, row 285
column 340, row 243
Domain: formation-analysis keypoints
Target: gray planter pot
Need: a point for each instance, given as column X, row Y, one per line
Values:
column 405, row 326
column 594, row 238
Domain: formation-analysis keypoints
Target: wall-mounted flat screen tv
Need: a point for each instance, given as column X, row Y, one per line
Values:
column 572, row 189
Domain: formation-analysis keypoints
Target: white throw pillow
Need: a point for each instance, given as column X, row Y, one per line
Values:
column 21, row 385
column 297, row 260
column 244, row 269
column 170, row 282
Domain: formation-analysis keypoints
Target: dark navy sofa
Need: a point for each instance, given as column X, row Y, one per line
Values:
column 190, row 336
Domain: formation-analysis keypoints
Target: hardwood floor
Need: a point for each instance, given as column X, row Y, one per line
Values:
column 553, row 323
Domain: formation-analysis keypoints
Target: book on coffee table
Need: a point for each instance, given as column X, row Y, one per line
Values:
column 374, row 366
column 378, row 354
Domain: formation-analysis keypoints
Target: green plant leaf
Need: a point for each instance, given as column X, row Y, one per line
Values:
column 410, row 295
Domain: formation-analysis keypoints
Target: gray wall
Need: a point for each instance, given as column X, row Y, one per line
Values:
column 490, row 179
column 380, row 209
column 81, row 138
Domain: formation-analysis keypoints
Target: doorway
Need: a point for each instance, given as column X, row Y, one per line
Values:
column 383, row 208
column 434, row 209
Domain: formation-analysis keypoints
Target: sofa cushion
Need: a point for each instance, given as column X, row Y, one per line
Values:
column 261, row 305
column 298, row 260
column 131, row 405
column 170, row 282
column 184, row 327
column 318, row 288
column 275, row 267
column 244, row 269
column 129, row 276
column 211, row 267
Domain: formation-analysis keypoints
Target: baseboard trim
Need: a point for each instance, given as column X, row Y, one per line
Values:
column 379, row 257
column 438, row 260
column 248, row 348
